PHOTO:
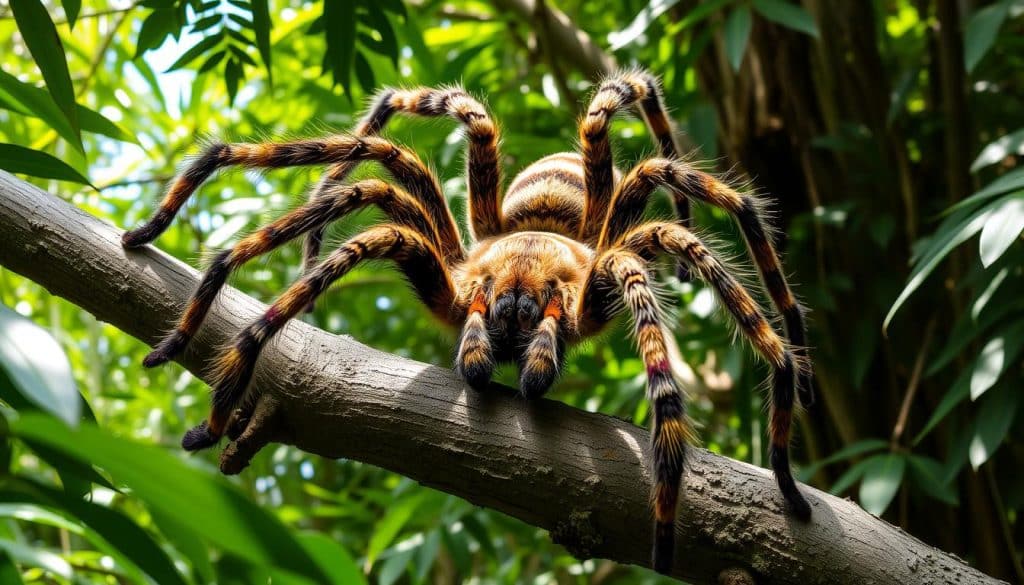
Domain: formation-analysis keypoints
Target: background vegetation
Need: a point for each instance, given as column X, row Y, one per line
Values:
column 889, row 135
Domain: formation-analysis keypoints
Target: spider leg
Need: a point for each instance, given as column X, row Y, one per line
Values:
column 407, row 169
column 546, row 353
column 338, row 201
column 483, row 166
column 416, row 256
column 620, row 91
column 627, row 274
column 684, row 181
column 474, row 356
column 653, row 239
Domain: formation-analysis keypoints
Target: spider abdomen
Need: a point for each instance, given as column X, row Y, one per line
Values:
column 548, row 196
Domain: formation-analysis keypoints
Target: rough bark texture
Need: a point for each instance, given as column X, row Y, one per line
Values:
column 580, row 475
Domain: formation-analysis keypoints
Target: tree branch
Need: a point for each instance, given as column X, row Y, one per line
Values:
column 582, row 476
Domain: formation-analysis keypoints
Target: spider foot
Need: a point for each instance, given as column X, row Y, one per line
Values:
column 199, row 437
column 477, row 375
column 166, row 349
column 536, row 379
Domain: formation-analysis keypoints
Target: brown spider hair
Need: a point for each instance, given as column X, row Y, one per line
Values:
column 554, row 260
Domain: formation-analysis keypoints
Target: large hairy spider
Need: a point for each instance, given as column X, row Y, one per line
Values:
column 553, row 262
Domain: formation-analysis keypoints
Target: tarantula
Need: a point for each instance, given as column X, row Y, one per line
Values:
column 553, row 262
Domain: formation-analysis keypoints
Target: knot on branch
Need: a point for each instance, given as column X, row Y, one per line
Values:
column 250, row 431
column 577, row 534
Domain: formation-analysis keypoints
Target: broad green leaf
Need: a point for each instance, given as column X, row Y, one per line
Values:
column 43, row 42
column 426, row 556
column 36, row 364
column 848, row 452
column 981, row 301
column 737, row 34
column 967, row 329
column 789, row 15
column 994, row 420
column 927, row 475
column 207, row 504
column 18, row 159
column 883, row 475
column 261, row 26
column 999, row 149
column 394, row 567
column 1002, row 228
column 187, row 542
column 390, row 525
column 479, row 533
column 981, row 30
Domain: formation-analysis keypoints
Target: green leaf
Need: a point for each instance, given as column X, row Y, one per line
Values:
column 849, row 477
column 389, row 526
column 1008, row 182
column 36, row 364
column 30, row 512
column 339, row 19
column 928, row 476
column 994, row 420
column 394, row 567
column 261, row 26
column 200, row 48
column 981, row 30
column 43, row 42
column 71, row 10
column 788, row 15
column 232, row 77
column 122, row 533
column 1003, row 228
column 883, row 475
column 652, row 11
column 207, row 504
column 998, row 353
column 954, row 231
column 33, row 101
column 9, row 573
column 335, row 560
column 157, row 26
column 36, row 557
column 1011, row 144
column 848, row 452
column 18, row 159
column 30, row 100
column 737, row 34
column 957, row 393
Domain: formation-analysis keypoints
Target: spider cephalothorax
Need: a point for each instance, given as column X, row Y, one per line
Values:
column 553, row 261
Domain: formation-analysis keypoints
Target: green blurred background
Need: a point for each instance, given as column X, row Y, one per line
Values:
column 887, row 133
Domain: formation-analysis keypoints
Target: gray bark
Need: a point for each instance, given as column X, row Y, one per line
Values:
column 582, row 476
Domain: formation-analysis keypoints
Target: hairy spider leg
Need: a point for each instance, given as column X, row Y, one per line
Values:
column 619, row 91
column 482, row 162
column 406, row 168
column 670, row 429
column 546, row 353
column 684, row 181
column 338, row 201
column 474, row 354
column 652, row 239
column 417, row 258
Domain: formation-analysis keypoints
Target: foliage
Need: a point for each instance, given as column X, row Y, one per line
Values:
column 102, row 101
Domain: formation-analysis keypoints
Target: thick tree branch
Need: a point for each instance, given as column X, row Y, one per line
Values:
column 580, row 475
